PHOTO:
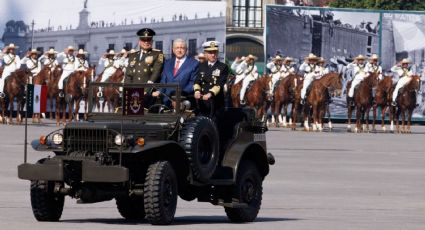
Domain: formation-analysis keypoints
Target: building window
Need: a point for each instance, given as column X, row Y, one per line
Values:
column 158, row 45
column 128, row 46
column 247, row 13
column 81, row 46
column 192, row 48
column 111, row 47
column 210, row 39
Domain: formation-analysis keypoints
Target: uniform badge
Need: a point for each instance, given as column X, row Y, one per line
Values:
column 161, row 58
column 149, row 60
column 216, row 72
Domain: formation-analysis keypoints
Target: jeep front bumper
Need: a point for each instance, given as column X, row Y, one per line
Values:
column 53, row 170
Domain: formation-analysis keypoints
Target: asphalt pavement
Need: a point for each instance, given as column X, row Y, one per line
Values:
column 329, row 180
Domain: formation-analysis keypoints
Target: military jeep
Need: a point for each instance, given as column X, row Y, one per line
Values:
column 144, row 154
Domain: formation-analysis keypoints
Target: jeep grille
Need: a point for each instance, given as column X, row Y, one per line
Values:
column 87, row 139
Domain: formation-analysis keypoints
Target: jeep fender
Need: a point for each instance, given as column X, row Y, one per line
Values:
column 246, row 151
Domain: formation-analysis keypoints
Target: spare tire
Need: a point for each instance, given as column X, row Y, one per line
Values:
column 199, row 138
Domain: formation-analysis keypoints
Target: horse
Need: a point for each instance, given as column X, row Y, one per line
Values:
column 286, row 92
column 259, row 96
column 234, row 92
column 111, row 95
column 76, row 89
column 14, row 88
column 382, row 100
column 362, row 102
column 40, row 79
column 406, row 103
column 53, row 96
column 317, row 97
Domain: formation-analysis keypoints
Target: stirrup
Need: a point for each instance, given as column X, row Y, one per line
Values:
column 2, row 95
column 242, row 102
column 61, row 94
column 393, row 103
column 99, row 94
column 302, row 102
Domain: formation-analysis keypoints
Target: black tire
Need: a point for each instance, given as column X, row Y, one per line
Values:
column 249, row 190
column 46, row 205
column 131, row 208
column 199, row 137
column 160, row 193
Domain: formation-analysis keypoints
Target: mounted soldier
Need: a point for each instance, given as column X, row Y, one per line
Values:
column 81, row 63
column 110, row 65
column 68, row 66
column 359, row 71
column 311, row 71
column 405, row 73
column 373, row 66
column 280, row 68
column 32, row 63
column 11, row 62
column 49, row 59
column 249, row 70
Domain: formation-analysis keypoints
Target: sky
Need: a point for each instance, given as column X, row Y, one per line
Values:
column 65, row 12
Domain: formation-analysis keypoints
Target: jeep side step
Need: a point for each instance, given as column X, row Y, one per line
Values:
column 233, row 204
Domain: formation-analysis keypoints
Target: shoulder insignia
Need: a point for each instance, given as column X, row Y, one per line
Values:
column 156, row 50
column 161, row 58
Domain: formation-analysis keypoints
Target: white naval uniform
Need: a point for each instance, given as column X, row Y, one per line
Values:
column 311, row 72
column 359, row 76
column 250, row 74
column 12, row 63
column 405, row 76
column 68, row 66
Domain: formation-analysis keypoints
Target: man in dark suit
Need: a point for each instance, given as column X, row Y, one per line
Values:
column 145, row 65
column 209, row 83
column 180, row 69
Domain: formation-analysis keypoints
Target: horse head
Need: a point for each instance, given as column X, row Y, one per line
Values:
column 372, row 80
column 333, row 81
column 415, row 83
column 265, row 85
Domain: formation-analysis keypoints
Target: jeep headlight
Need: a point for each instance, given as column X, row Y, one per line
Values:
column 57, row 138
column 119, row 139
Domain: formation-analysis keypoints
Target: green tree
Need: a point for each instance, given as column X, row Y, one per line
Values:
column 380, row 4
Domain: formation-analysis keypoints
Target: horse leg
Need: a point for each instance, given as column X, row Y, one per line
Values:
column 306, row 116
column 375, row 107
column 409, row 119
column 64, row 104
column 294, row 116
column 11, row 108
column 321, row 116
column 367, row 119
column 349, row 114
column 77, row 109
column 403, row 121
column 383, row 110
column 284, row 114
column 358, row 118
column 314, row 117
column 397, row 120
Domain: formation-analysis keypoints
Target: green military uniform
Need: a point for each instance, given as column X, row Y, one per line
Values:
column 146, row 67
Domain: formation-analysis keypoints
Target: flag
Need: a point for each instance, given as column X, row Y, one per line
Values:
column 133, row 101
column 36, row 98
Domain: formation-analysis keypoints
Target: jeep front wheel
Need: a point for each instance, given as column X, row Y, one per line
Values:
column 46, row 205
column 160, row 193
column 248, row 190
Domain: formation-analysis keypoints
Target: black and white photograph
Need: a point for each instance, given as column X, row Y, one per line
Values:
column 336, row 36
column 403, row 36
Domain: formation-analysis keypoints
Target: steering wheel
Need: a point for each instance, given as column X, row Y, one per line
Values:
column 158, row 108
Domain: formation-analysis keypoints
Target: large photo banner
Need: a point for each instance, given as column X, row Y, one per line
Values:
column 341, row 35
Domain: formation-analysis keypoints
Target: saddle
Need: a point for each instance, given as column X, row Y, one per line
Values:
column 276, row 85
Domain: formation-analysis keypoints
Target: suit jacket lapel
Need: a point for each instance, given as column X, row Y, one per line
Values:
column 185, row 63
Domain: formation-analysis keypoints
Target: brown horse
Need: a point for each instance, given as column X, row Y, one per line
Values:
column 40, row 79
column 14, row 89
column 286, row 92
column 317, row 97
column 76, row 89
column 234, row 92
column 110, row 94
column 259, row 96
column 362, row 102
column 406, row 103
column 53, row 96
column 382, row 100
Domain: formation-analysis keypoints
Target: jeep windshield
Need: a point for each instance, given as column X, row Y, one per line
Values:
column 135, row 102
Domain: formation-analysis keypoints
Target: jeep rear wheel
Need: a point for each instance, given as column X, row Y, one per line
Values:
column 131, row 208
column 46, row 205
column 248, row 190
column 199, row 137
column 160, row 193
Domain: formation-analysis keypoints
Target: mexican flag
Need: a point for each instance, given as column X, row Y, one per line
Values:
column 36, row 98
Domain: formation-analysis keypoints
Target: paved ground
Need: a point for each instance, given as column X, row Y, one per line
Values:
column 324, row 180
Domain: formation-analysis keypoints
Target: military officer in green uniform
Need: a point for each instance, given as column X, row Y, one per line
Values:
column 210, row 81
column 145, row 65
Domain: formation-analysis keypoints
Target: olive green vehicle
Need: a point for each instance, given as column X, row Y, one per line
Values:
column 145, row 157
